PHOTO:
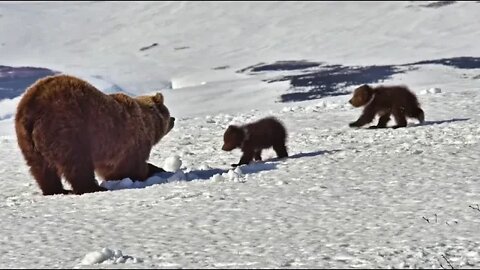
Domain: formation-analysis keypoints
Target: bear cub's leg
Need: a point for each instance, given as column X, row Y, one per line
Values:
column 399, row 118
column 382, row 122
column 258, row 155
column 281, row 150
column 246, row 158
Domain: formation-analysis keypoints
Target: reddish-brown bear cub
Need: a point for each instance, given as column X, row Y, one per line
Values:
column 254, row 137
column 385, row 101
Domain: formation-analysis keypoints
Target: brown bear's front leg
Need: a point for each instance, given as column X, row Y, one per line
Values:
column 73, row 160
column 47, row 178
column 246, row 158
column 136, row 170
column 142, row 171
column 366, row 117
column 152, row 170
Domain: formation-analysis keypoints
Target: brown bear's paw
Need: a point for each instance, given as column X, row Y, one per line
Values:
column 60, row 192
column 375, row 127
column 67, row 192
column 90, row 190
column 152, row 170
column 353, row 125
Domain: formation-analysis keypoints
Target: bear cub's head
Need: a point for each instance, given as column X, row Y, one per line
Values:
column 233, row 138
column 361, row 96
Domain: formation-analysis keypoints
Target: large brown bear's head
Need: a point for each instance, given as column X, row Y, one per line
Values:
column 233, row 138
column 361, row 96
column 163, row 110
column 156, row 103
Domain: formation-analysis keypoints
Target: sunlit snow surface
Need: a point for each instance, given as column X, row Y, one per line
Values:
column 345, row 198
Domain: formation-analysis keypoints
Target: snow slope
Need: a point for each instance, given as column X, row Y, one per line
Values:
column 346, row 198
column 195, row 39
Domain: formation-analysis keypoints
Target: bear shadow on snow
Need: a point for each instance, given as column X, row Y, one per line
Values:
column 252, row 168
column 184, row 176
column 314, row 154
column 438, row 122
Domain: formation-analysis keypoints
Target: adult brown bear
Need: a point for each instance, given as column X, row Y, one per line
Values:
column 384, row 101
column 65, row 126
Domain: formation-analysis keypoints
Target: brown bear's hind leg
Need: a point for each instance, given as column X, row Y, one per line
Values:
column 47, row 178
column 399, row 118
column 81, row 177
column 76, row 164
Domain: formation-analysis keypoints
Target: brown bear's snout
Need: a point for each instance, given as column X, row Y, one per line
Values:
column 350, row 101
column 172, row 123
column 227, row 147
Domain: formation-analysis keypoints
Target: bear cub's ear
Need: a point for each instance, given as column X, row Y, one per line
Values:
column 234, row 128
column 158, row 98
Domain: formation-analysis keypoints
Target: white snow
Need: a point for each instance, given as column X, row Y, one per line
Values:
column 8, row 107
column 345, row 198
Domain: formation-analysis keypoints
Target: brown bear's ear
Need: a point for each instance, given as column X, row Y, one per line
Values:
column 233, row 127
column 367, row 87
column 363, row 86
column 158, row 98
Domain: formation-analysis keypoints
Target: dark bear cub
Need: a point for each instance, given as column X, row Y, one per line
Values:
column 385, row 101
column 254, row 137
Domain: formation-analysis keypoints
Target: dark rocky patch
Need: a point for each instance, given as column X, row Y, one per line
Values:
column 14, row 80
column 148, row 47
column 314, row 80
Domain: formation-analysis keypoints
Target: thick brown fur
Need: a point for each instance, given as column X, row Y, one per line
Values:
column 254, row 137
column 385, row 101
column 66, row 127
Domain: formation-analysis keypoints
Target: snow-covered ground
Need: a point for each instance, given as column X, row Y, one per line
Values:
column 346, row 198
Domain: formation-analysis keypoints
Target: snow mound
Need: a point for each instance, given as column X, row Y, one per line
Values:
column 233, row 175
column 108, row 256
column 433, row 90
column 172, row 164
